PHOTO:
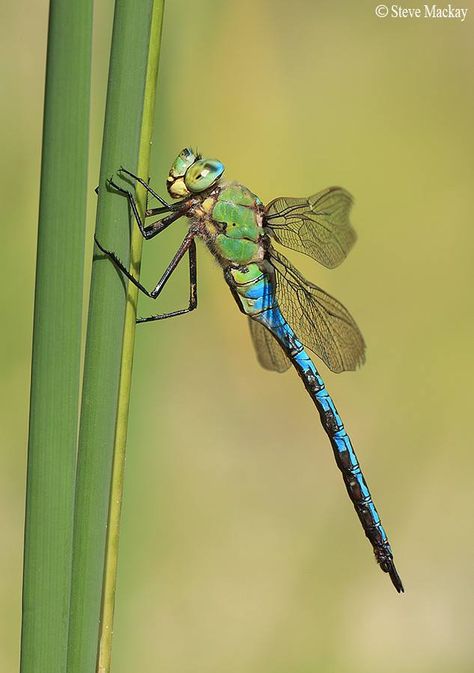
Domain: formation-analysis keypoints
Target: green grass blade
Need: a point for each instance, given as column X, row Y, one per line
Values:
column 116, row 490
column 127, row 136
column 56, row 340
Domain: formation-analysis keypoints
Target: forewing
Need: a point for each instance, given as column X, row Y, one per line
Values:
column 319, row 320
column 269, row 352
column 318, row 226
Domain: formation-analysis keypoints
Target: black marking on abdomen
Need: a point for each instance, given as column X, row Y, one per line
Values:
column 329, row 422
column 294, row 348
column 312, row 382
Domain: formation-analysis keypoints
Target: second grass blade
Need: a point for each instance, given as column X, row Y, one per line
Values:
column 127, row 136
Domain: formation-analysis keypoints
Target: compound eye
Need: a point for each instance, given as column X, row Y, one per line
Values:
column 203, row 174
column 182, row 162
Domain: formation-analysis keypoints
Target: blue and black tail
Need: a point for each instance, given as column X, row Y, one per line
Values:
column 344, row 453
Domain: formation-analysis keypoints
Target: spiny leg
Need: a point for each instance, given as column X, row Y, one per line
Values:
column 120, row 266
column 183, row 248
column 156, row 227
column 149, row 232
column 182, row 205
column 192, row 290
column 147, row 187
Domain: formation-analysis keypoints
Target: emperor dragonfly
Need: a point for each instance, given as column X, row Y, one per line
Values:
column 238, row 230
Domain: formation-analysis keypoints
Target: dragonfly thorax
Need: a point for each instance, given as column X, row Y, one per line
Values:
column 229, row 217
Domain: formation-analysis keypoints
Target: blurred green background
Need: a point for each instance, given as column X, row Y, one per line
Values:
column 240, row 551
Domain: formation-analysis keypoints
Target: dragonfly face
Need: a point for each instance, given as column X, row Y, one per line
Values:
column 191, row 174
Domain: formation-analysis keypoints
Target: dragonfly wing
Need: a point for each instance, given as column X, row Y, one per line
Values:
column 269, row 352
column 319, row 320
column 318, row 226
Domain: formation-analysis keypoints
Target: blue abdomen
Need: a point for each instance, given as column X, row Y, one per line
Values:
column 254, row 290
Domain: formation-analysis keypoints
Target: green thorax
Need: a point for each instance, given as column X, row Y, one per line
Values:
column 230, row 219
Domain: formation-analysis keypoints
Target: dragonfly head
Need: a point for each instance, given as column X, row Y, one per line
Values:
column 191, row 174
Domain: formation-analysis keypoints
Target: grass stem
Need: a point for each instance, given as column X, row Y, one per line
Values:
column 109, row 346
column 55, row 374
column 116, row 490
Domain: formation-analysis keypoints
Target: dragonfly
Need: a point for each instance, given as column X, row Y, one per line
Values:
column 287, row 314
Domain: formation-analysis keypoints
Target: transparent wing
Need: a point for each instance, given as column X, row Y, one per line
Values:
column 269, row 352
column 318, row 226
column 320, row 321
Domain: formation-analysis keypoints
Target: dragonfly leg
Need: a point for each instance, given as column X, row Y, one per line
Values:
column 147, row 187
column 160, row 225
column 166, row 205
column 151, row 230
column 192, row 290
column 120, row 266
column 188, row 241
